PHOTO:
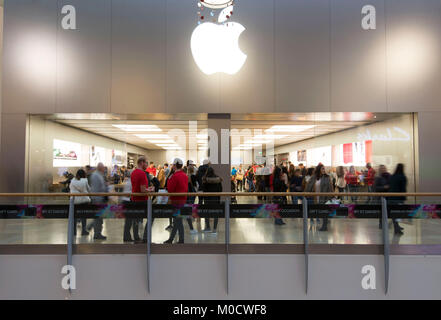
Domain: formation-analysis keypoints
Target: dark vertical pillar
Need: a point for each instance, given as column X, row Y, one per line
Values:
column 220, row 123
column 13, row 166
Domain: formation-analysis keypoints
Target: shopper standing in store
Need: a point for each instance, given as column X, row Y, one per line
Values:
column 140, row 184
column 211, row 183
column 370, row 179
column 398, row 183
column 352, row 181
column 308, row 175
column 80, row 185
column 98, row 185
column 166, row 170
column 250, row 179
column 239, row 178
column 278, row 184
column 161, row 177
column 295, row 185
column 320, row 182
column 285, row 179
column 152, row 169
column 340, row 183
column 178, row 183
column 170, row 174
column 202, row 170
column 191, row 174
column 129, row 223
column 382, row 184
column 303, row 169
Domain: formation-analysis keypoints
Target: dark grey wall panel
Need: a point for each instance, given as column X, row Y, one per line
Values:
column 252, row 88
column 302, row 55
column 29, row 60
column 138, row 56
column 13, row 152
column 429, row 132
column 358, row 77
column 413, row 55
column 187, row 88
column 84, row 68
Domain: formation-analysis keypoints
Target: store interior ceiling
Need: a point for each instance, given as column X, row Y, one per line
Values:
column 152, row 131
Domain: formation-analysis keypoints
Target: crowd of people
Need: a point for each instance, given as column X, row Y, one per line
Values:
column 188, row 178
column 287, row 178
column 146, row 177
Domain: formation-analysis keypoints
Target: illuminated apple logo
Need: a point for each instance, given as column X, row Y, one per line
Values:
column 215, row 47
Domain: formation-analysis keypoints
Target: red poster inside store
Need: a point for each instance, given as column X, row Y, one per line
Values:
column 347, row 153
column 368, row 151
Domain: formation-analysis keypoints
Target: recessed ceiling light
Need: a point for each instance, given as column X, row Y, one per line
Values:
column 289, row 128
column 167, row 145
column 137, row 127
column 259, row 142
column 162, row 141
column 270, row 136
column 153, row 136
column 171, row 148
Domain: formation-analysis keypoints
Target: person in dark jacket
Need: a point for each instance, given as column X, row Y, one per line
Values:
column 382, row 184
column 320, row 182
column 202, row 170
column 278, row 185
column 211, row 183
column 398, row 183
column 296, row 184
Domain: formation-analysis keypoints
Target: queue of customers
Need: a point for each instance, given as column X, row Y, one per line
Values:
column 147, row 178
column 180, row 178
column 284, row 178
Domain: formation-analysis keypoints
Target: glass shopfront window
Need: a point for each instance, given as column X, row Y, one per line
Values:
column 359, row 153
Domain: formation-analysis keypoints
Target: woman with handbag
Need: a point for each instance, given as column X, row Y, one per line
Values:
column 239, row 178
column 80, row 185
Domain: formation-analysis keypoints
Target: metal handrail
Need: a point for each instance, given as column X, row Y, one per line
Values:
column 228, row 194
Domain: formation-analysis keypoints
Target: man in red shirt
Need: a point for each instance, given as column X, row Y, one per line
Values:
column 177, row 183
column 152, row 169
column 139, row 180
column 140, row 184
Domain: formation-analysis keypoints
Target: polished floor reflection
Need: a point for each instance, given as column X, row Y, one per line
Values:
column 341, row 231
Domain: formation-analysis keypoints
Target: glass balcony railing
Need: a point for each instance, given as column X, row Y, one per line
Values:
column 233, row 218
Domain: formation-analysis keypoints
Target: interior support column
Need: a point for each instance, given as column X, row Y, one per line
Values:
column 220, row 122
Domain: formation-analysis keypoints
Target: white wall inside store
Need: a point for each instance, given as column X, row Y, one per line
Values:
column 40, row 150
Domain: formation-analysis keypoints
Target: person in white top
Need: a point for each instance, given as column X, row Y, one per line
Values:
column 80, row 185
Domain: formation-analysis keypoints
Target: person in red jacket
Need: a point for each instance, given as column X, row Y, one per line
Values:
column 177, row 183
column 151, row 169
column 370, row 179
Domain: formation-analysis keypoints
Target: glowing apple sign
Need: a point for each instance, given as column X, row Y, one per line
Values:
column 215, row 47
